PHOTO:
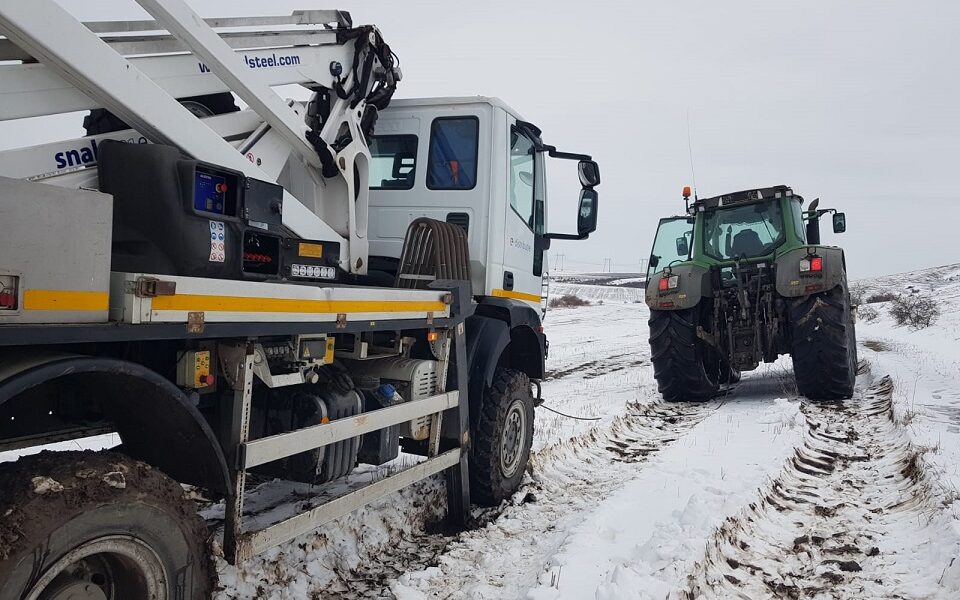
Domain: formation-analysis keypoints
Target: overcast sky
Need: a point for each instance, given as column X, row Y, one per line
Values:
column 855, row 102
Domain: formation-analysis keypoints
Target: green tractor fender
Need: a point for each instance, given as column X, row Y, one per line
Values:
column 810, row 270
column 686, row 285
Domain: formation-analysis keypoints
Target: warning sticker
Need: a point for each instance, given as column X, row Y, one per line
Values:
column 218, row 251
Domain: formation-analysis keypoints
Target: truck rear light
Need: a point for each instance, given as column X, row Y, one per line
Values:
column 8, row 292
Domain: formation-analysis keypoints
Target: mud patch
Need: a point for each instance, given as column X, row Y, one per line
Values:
column 877, row 346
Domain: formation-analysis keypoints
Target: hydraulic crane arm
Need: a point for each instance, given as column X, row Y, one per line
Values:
column 68, row 66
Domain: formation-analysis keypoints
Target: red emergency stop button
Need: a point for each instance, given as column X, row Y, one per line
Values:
column 221, row 188
column 207, row 380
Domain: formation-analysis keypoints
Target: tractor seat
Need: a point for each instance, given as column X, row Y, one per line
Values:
column 747, row 243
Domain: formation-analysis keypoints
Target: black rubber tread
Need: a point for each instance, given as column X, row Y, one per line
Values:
column 100, row 120
column 53, row 501
column 488, row 486
column 677, row 356
column 824, row 345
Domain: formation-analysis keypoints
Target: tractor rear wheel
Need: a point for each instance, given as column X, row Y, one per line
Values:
column 681, row 360
column 824, row 344
column 98, row 525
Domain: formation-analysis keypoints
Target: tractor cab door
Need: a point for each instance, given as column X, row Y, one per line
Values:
column 524, row 218
column 673, row 243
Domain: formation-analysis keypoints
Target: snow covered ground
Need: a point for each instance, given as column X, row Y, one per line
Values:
column 757, row 494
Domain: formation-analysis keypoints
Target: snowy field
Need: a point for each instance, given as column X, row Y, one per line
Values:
column 757, row 494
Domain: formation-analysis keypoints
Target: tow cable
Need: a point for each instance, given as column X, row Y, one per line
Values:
column 538, row 403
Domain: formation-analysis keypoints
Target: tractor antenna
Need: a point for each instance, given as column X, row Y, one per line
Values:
column 693, row 171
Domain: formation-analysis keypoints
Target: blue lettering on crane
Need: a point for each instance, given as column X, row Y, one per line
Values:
column 263, row 62
column 84, row 155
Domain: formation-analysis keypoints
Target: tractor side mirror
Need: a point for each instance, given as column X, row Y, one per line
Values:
column 839, row 222
column 654, row 261
column 683, row 248
column 587, row 216
column 589, row 172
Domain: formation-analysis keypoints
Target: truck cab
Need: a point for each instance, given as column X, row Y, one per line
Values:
column 474, row 162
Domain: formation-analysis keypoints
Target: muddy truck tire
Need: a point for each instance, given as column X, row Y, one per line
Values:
column 680, row 362
column 92, row 525
column 824, row 345
column 501, row 438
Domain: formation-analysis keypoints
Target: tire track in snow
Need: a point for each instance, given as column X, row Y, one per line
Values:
column 855, row 486
column 566, row 480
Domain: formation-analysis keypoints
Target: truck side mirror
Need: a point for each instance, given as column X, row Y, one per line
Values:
column 683, row 248
column 589, row 172
column 587, row 217
column 839, row 222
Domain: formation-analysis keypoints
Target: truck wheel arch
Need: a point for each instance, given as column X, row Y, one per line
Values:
column 156, row 421
column 502, row 333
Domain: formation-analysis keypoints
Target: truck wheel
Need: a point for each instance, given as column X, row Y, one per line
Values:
column 824, row 345
column 680, row 359
column 502, row 438
column 98, row 526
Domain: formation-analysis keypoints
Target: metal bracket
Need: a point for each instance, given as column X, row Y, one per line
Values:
column 707, row 337
column 195, row 322
column 341, row 320
column 151, row 287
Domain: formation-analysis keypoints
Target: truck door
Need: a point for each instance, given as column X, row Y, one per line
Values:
column 524, row 218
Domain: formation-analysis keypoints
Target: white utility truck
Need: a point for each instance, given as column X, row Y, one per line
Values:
column 286, row 290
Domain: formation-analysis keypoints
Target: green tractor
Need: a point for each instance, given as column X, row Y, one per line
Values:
column 743, row 278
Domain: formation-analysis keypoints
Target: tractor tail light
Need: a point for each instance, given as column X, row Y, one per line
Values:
column 669, row 283
column 813, row 264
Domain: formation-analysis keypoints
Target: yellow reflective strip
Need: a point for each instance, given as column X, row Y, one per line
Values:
column 197, row 303
column 516, row 295
column 65, row 300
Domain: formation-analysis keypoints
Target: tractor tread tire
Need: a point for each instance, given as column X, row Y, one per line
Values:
column 54, row 501
column 488, row 485
column 677, row 363
column 824, row 345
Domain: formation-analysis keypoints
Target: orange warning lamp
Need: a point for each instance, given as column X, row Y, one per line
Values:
column 686, row 192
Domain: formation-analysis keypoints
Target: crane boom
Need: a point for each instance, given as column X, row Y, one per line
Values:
column 68, row 65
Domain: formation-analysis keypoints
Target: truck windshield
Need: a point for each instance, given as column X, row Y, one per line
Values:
column 671, row 244
column 744, row 231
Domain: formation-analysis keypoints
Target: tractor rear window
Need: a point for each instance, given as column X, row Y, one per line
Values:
column 453, row 153
column 393, row 162
column 747, row 231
